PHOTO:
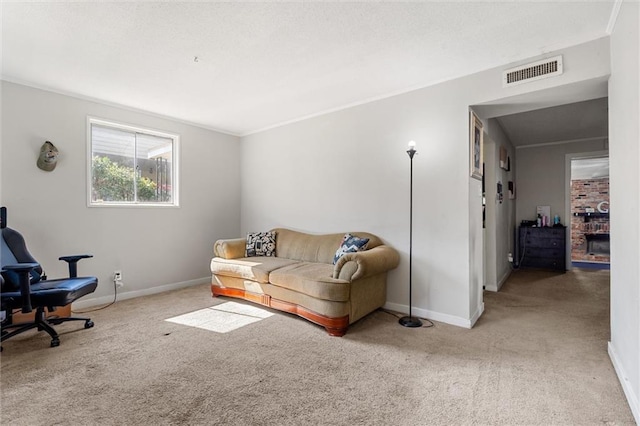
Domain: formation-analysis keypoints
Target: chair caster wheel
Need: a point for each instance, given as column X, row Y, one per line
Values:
column 55, row 342
column 88, row 324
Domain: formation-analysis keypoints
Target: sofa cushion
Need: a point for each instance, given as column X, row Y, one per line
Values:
column 250, row 268
column 261, row 244
column 350, row 244
column 312, row 279
column 314, row 248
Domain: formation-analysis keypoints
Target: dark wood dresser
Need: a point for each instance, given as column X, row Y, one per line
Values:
column 542, row 248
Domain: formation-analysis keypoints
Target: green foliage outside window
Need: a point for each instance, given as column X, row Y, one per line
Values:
column 114, row 182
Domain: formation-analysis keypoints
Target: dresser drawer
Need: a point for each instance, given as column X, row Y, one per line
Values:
column 547, row 252
column 546, row 263
column 543, row 233
column 534, row 241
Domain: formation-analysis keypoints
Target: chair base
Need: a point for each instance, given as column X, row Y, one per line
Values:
column 42, row 324
column 58, row 311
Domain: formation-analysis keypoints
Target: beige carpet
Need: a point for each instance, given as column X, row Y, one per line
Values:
column 538, row 355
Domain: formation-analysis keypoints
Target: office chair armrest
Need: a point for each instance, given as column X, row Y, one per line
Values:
column 23, row 269
column 73, row 262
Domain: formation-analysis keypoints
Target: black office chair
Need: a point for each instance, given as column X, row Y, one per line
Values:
column 24, row 286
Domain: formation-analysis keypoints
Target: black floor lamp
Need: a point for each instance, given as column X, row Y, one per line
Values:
column 410, row 321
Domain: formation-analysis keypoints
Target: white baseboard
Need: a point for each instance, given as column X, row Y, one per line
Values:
column 476, row 315
column 504, row 278
column 90, row 302
column 436, row 316
column 496, row 287
column 632, row 398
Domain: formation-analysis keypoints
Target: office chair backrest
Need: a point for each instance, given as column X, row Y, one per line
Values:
column 14, row 250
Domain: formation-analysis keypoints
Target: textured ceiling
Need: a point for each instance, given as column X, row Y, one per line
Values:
column 263, row 64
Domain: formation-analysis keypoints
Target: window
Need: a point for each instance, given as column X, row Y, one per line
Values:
column 131, row 166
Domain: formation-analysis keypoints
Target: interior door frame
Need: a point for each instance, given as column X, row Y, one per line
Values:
column 567, row 192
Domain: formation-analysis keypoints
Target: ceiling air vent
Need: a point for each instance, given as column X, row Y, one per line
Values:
column 532, row 72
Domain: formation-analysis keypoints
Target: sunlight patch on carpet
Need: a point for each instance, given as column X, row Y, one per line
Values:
column 222, row 318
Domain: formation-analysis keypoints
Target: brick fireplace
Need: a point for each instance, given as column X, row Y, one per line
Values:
column 590, row 220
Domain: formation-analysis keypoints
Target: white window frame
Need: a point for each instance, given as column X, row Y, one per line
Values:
column 175, row 166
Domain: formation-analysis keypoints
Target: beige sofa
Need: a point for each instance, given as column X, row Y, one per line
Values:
column 302, row 279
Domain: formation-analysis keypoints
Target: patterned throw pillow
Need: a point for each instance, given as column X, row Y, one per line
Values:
column 261, row 244
column 350, row 244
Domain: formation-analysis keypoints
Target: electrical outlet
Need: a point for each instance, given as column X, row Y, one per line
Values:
column 510, row 258
column 117, row 278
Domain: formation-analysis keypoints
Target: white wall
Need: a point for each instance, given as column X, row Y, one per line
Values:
column 155, row 248
column 1, row 140
column 490, row 179
column 624, row 161
column 348, row 170
column 500, row 217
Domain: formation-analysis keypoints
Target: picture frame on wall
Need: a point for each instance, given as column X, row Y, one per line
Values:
column 504, row 158
column 475, row 146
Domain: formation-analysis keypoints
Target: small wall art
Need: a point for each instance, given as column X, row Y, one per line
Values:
column 48, row 157
column 475, row 146
column 504, row 158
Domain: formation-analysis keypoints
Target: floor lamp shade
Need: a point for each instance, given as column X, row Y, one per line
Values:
column 410, row 321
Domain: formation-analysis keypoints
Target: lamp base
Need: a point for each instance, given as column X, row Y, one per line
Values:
column 410, row 322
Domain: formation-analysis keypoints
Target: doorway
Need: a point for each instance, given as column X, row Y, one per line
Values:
column 588, row 203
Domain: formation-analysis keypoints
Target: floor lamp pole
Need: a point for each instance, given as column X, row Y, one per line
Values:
column 410, row 321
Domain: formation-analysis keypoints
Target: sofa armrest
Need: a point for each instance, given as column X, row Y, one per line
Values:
column 230, row 248
column 353, row 266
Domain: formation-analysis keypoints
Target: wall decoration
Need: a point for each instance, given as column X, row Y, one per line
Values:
column 512, row 190
column 601, row 207
column 484, row 201
column 475, row 146
column 48, row 158
column 504, row 157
